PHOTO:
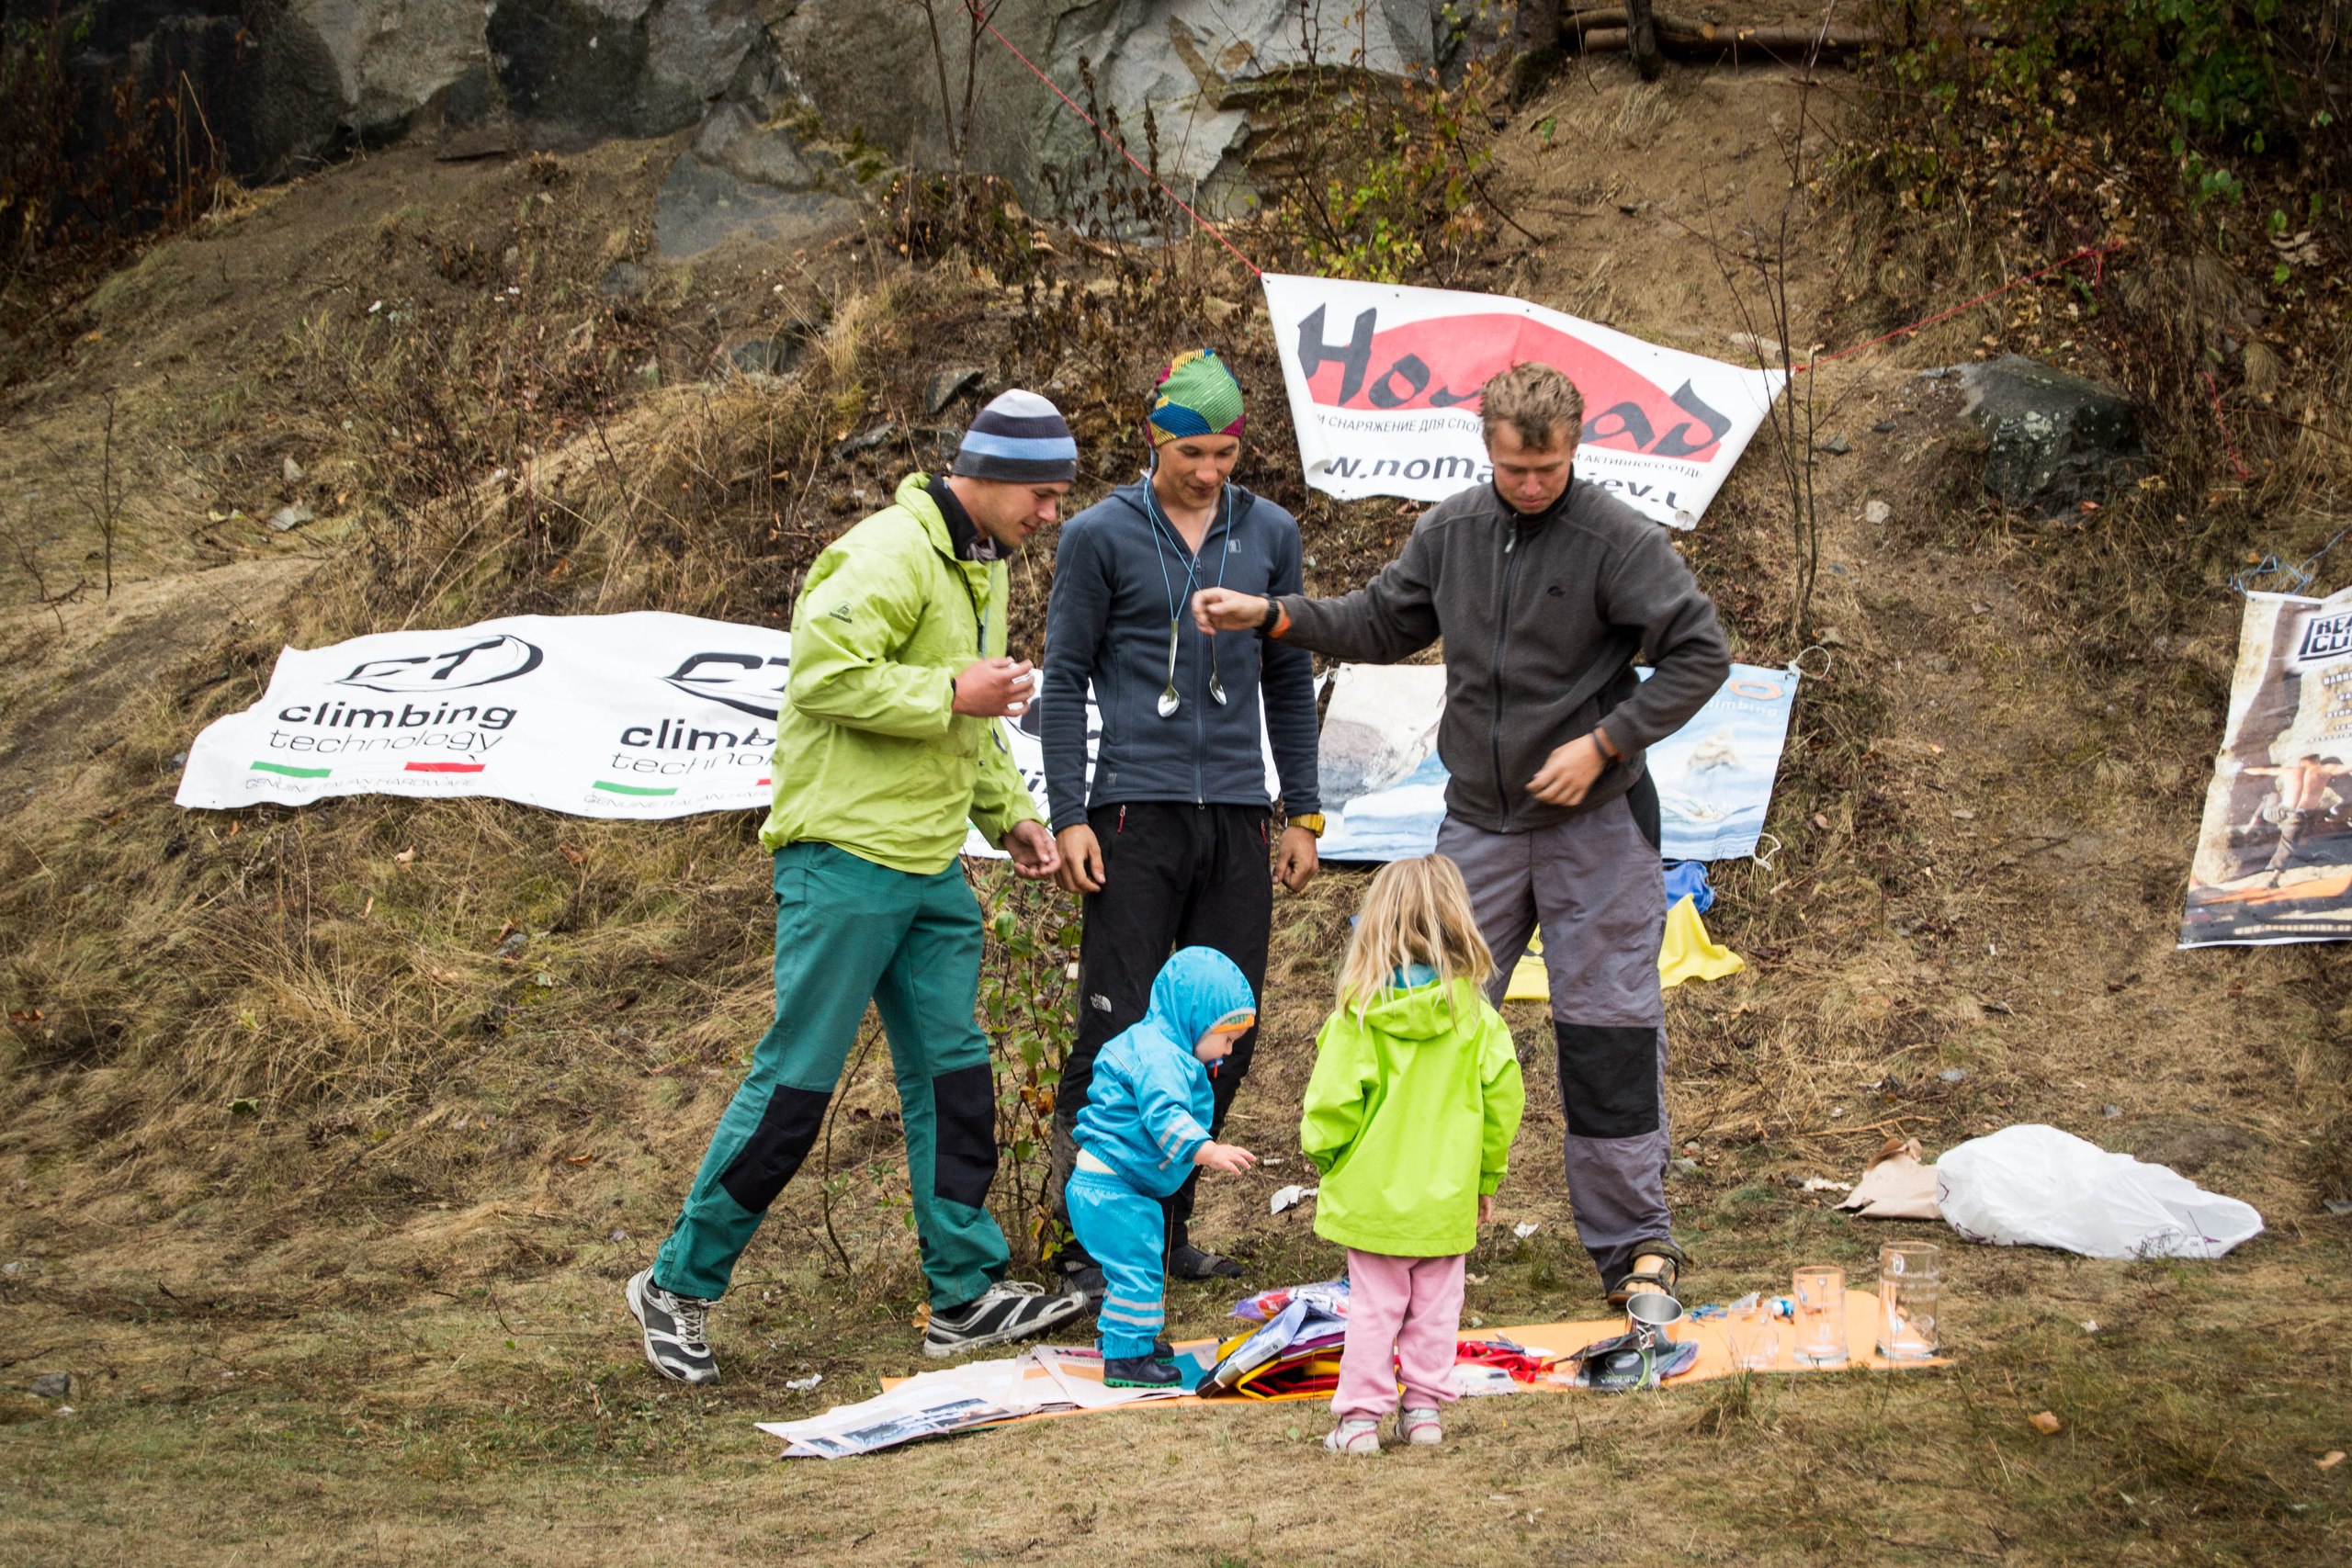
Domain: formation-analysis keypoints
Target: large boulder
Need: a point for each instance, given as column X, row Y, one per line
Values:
column 2057, row 439
column 744, row 179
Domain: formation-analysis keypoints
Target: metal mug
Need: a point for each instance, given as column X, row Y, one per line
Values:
column 1648, row 1317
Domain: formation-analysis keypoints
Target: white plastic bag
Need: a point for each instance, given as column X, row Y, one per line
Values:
column 2035, row 1186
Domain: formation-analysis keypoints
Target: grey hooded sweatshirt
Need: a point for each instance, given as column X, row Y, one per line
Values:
column 1542, row 615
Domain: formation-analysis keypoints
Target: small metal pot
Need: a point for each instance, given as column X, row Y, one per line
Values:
column 1649, row 1317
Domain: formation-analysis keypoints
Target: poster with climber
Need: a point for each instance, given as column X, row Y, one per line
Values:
column 2274, row 853
column 1383, row 390
column 1384, row 786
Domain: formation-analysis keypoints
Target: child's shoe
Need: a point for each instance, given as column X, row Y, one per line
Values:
column 1355, row 1434
column 1420, row 1427
column 1162, row 1351
column 1139, row 1372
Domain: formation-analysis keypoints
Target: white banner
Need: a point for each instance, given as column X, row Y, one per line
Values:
column 646, row 714
column 1384, row 390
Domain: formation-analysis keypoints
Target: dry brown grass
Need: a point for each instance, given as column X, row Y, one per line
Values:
column 382, row 1296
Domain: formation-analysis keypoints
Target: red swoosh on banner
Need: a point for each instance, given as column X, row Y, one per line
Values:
column 444, row 767
column 1443, row 361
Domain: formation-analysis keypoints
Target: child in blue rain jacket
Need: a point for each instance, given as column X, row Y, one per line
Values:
column 1144, row 1128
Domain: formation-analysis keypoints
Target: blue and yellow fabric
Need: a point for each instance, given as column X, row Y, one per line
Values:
column 1688, row 953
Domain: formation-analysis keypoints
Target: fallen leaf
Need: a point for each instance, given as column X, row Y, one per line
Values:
column 578, row 1159
column 567, row 852
column 405, row 857
column 2330, row 1460
column 2045, row 1422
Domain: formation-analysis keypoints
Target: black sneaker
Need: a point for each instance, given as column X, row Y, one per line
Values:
column 1087, row 1284
column 1139, row 1372
column 674, row 1327
column 1008, row 1312
column 1190, row 1262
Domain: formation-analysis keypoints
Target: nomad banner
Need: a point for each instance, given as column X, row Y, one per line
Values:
column 1384, row 390
column 2274, row 855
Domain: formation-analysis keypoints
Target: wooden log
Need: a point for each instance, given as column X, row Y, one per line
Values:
column 1598, row 29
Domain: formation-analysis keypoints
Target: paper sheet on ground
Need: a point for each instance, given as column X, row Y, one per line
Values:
column 1044, row 1384
column 1383, row 786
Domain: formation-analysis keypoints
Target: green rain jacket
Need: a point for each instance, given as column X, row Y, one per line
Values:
column 870, row 755
column 1409, row 1116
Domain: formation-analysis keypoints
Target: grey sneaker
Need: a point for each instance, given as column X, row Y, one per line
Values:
column 1008, row 1312
column 675, row 1327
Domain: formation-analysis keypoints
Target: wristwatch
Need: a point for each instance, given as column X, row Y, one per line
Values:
column 1310, row 820
column 1273, row 616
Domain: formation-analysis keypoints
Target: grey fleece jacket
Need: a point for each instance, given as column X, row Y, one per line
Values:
column 1542, row 617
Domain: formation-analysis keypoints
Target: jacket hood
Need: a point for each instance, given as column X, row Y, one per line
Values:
column 914, row 495
column 1423, row 1012
column 1195, row 989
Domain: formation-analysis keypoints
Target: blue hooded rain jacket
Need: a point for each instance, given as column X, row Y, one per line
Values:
column 1147, row 1111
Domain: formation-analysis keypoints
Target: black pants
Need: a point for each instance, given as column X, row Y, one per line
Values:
column 1173, row 875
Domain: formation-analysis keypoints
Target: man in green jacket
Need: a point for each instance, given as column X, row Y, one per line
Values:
column 887, row 743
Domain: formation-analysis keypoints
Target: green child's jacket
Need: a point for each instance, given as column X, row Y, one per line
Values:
column 870, row 754
column 1409, row 1116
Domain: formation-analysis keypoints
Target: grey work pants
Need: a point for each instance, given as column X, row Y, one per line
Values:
column 1593, row 883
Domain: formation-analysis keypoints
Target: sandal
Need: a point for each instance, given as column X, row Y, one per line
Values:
column 1663, row 1278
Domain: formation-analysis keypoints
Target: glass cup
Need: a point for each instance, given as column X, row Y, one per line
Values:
column 1821, row 1317
column 1910, row 1278
column 1754, row 1336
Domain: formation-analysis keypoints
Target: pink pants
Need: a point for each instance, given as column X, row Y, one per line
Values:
column 1404, row 1315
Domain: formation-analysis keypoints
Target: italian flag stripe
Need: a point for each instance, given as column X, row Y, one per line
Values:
column 291, row 772
column 608, row 786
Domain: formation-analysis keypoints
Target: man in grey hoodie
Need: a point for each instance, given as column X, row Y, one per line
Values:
column 1544, row 588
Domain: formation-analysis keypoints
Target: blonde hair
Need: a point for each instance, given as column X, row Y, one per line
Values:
column 1536, row 401
column 1417, row 911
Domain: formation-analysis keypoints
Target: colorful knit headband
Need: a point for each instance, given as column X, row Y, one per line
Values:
column 1197, row 396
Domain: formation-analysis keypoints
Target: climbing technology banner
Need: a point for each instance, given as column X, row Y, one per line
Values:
column 646, row 714
column 1383, row 390
column 1384, row 787
column 2274, row 855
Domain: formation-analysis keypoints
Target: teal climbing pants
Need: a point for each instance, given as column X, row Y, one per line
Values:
column 847, row 931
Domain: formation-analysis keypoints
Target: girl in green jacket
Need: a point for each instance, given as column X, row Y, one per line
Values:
column 1409, row 1117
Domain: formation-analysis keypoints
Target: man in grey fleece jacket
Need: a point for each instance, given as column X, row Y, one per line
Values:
column 1544, row 588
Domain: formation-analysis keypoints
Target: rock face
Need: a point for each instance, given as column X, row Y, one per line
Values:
column 2057, row 439
column 288, row 83
column 1202, row 65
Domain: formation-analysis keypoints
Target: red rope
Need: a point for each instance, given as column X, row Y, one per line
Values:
column 2100, row 252
column 977, row 15
column 2221, row 419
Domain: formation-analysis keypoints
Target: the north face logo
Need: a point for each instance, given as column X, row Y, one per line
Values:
column 839, row 612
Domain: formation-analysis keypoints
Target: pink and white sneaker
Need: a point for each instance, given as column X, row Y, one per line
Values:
column 1355, row 1434
column 1420, row 1427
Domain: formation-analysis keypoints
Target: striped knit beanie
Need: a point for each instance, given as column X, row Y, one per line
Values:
column 1197, row 396
column 1018, row 439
